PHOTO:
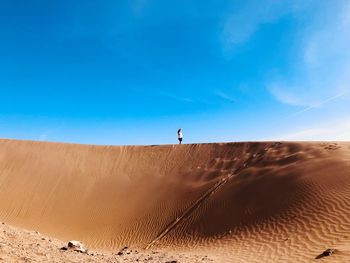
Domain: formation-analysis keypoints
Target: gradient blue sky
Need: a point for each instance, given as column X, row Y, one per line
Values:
column 133, row 72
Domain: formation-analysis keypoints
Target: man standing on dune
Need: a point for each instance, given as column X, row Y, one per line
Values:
column 179, row 135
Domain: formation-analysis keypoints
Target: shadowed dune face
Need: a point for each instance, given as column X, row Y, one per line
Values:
column 202, row 195
column 268, row 187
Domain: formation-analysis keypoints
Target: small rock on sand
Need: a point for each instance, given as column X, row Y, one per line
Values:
column 75, row 246
column 124, row 250
column 326, row 253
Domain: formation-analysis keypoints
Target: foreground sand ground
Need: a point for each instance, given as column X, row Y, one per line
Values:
column 18, row 245
column 233, row 202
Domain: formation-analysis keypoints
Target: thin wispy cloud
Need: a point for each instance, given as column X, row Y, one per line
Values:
column 321, row 66
column 284, row 96
column 224, row 96
column 318, row 105
column 334, row 131
column 177, row 98
column 244, row 20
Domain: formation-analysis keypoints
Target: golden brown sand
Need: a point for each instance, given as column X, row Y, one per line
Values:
column 19, row 245
column 242, row 202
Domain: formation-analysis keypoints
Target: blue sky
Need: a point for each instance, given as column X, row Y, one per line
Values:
column 133, row 72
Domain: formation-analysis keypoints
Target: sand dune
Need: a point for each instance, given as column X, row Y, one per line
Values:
column 245, row 202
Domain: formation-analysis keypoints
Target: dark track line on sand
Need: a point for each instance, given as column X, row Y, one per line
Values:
column 212, row 190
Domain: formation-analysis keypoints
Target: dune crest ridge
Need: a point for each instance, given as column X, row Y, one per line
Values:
column 251, row 202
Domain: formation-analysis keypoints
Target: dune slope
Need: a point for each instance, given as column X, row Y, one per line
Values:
column 268, row 201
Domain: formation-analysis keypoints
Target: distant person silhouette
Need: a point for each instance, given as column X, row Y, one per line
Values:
column 179, row 135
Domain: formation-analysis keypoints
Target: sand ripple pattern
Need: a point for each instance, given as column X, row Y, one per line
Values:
column 247, row 202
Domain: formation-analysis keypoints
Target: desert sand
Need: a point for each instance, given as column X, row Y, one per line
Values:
column 19, row 245
column 230, row 202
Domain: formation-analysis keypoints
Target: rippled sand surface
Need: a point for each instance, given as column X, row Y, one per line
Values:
column 241, row 202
